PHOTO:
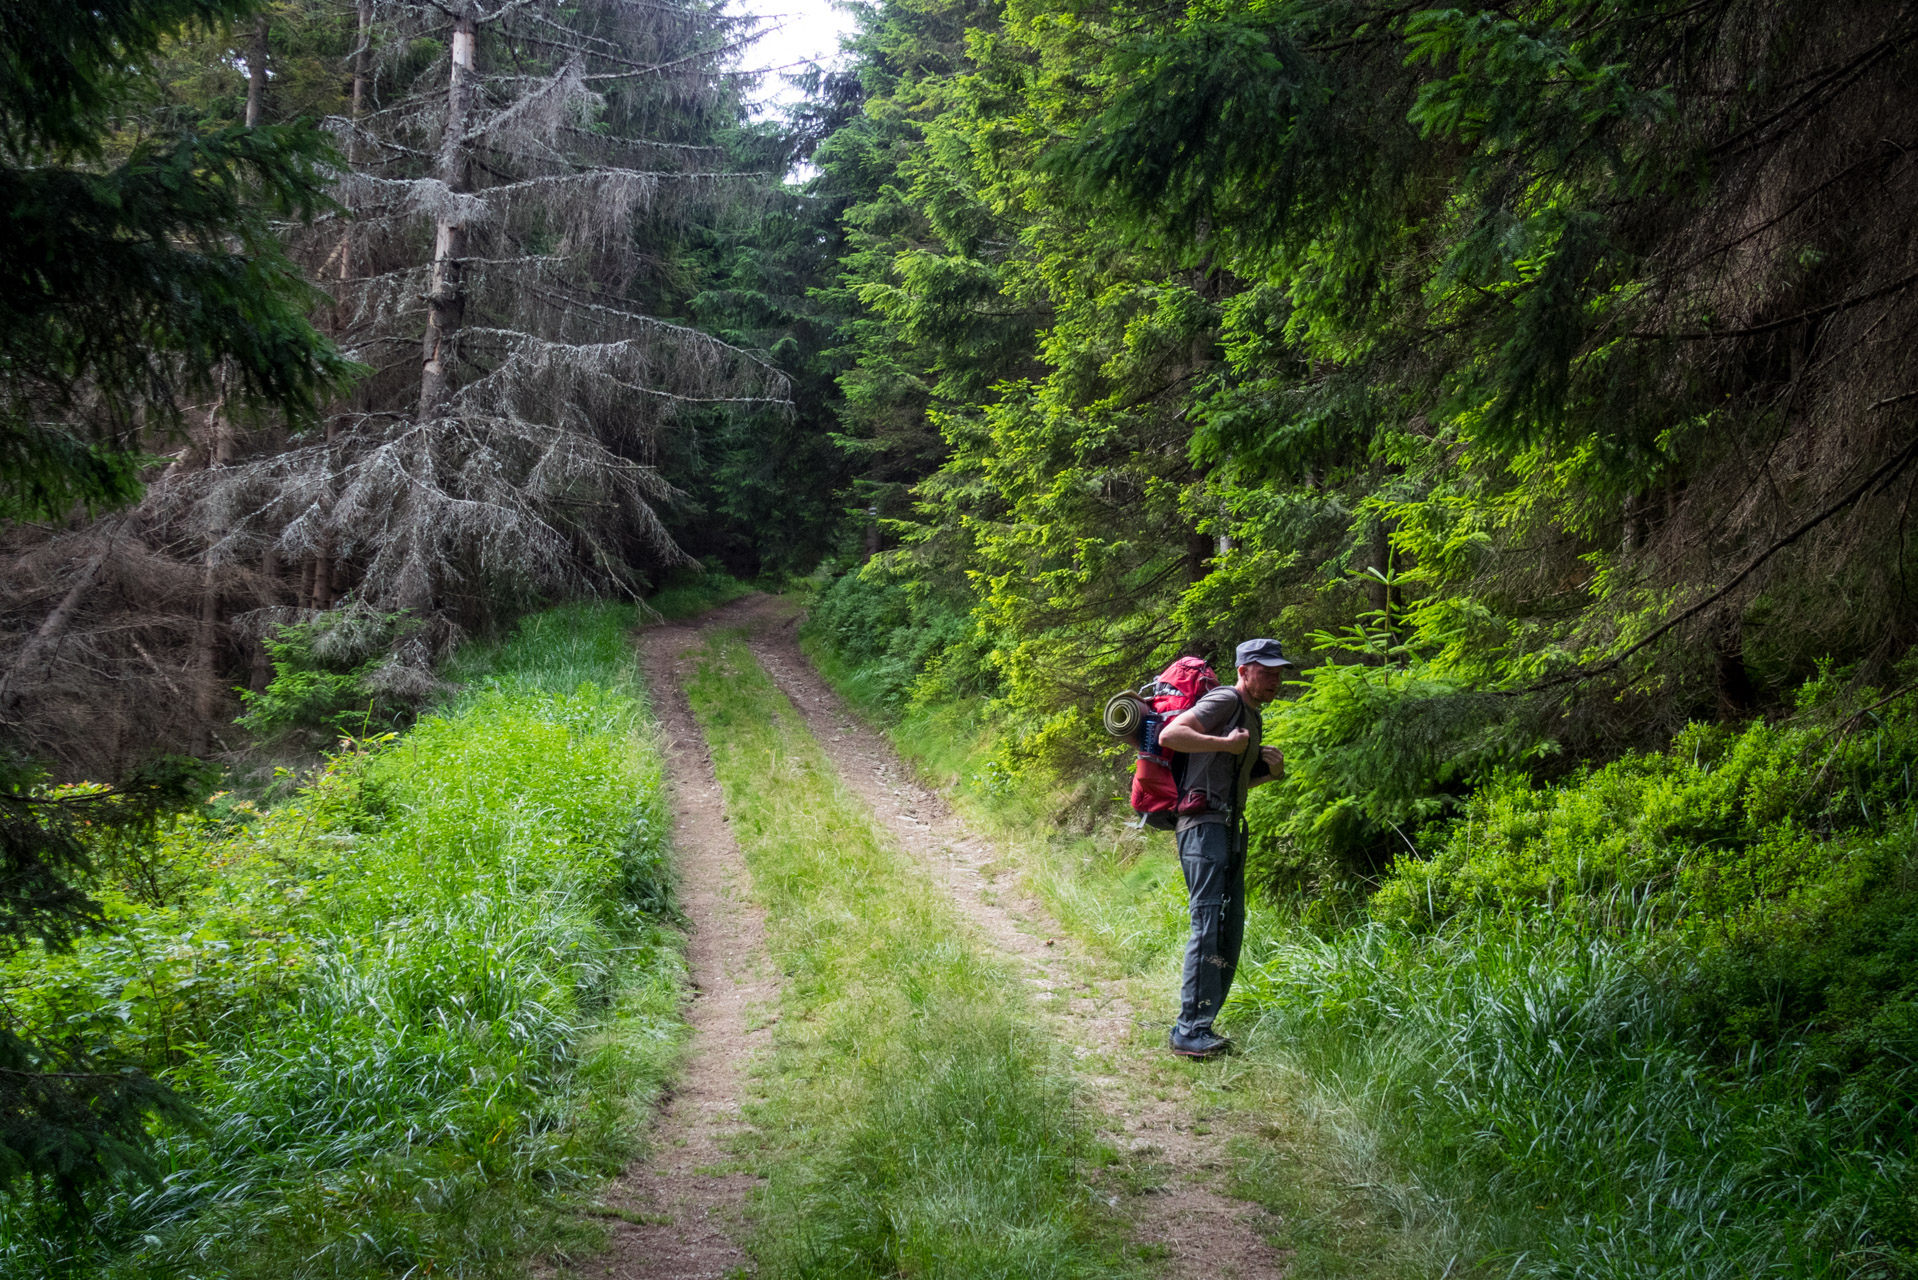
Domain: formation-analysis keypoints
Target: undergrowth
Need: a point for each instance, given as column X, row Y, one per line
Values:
column 417, row 1005
column 914, row 1122
column 694, row 592
column 1656, row 1019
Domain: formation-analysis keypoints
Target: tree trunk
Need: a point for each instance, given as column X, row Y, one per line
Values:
column 446, row 299
column 318, row 590
column 256, row 57
column 1380, row 560
column 47, row 635
column 362, row 55
column 1198, row 549
column 322, row 597
column 262, row 673
column 206, row 662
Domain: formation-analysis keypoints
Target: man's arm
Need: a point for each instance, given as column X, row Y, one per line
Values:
column 1184, row 734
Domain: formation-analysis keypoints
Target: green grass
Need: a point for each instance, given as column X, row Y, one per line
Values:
column 1546, row 1086
column 1648, row 1022
column 914, row 1121
column 420, row 1005
column 1118, row 889
column 695, row 595
column 1313, row 1153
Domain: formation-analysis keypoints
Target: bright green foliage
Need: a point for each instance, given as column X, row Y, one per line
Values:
column 1658, row 1018
column 415, row 1005
column 138, row 269
column 336, row 674
column 1256, row 317
column 73, row 1110
column 1720, row 826
column 915, row 1124
column 1380, row 742
column 886, row 632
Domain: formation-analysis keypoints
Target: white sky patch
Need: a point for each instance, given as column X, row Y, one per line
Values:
column 808, row 31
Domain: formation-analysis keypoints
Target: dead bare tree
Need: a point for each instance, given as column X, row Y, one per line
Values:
column 518, row 175
column 496, row 213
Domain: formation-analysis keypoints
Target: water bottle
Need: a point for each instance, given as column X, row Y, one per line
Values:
column 1149, row 736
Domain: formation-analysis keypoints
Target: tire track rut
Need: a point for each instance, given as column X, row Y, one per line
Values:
column 678, row 1215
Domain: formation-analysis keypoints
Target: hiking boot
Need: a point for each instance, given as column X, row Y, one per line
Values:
column 1200, row 1044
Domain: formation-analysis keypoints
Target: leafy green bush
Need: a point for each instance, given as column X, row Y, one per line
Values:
column 1373, row 755
column 1726, row 828
column 888, row 633
column 416, row 1004
column 1670, row 1003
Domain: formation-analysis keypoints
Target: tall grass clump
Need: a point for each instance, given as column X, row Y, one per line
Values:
column 915, row 1122
column 416, row 1005
column 1549, row 1088
column 1659, row 1018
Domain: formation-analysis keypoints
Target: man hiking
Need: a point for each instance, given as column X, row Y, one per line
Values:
column 1222, row 735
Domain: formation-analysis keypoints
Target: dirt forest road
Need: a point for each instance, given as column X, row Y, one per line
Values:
column 680, row 1214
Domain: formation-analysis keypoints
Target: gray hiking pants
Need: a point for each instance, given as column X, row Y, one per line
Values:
column 1215, row 881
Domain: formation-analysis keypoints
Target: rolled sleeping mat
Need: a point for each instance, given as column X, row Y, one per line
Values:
column 1125, row 716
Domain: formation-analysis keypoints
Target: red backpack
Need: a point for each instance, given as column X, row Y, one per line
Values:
column 1158, row 796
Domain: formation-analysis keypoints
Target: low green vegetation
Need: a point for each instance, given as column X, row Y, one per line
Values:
column 1656, row 1017
column 914, row 1120
column 416, row 1005
column 690, row 593
column 337, row 674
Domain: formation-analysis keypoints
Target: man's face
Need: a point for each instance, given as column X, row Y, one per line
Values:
column 1260, row 682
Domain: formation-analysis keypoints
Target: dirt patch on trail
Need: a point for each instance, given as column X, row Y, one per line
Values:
column 1144, row 1096
column 678, row 1214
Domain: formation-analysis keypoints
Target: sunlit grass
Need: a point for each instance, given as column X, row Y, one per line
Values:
column 420, row 1005
column 914, row 1122
column 1513, row 1097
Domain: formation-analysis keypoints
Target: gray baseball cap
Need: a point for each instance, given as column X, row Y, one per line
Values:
column 1264, row 652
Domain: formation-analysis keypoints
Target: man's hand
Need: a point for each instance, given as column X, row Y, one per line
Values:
column 1274, row 761
column 1235, row 742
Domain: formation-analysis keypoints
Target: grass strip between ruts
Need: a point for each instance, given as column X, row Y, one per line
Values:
column 913, row 1120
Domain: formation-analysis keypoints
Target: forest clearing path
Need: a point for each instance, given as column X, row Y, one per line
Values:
column 1146, row 1100
column 678, row 1214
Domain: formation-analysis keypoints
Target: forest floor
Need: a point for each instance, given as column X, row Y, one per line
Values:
column 683, row 1212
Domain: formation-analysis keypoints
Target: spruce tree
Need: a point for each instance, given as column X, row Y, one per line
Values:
column 517, row 185
column 137, row 274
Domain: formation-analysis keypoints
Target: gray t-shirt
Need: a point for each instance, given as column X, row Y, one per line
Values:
column 1223, row 776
